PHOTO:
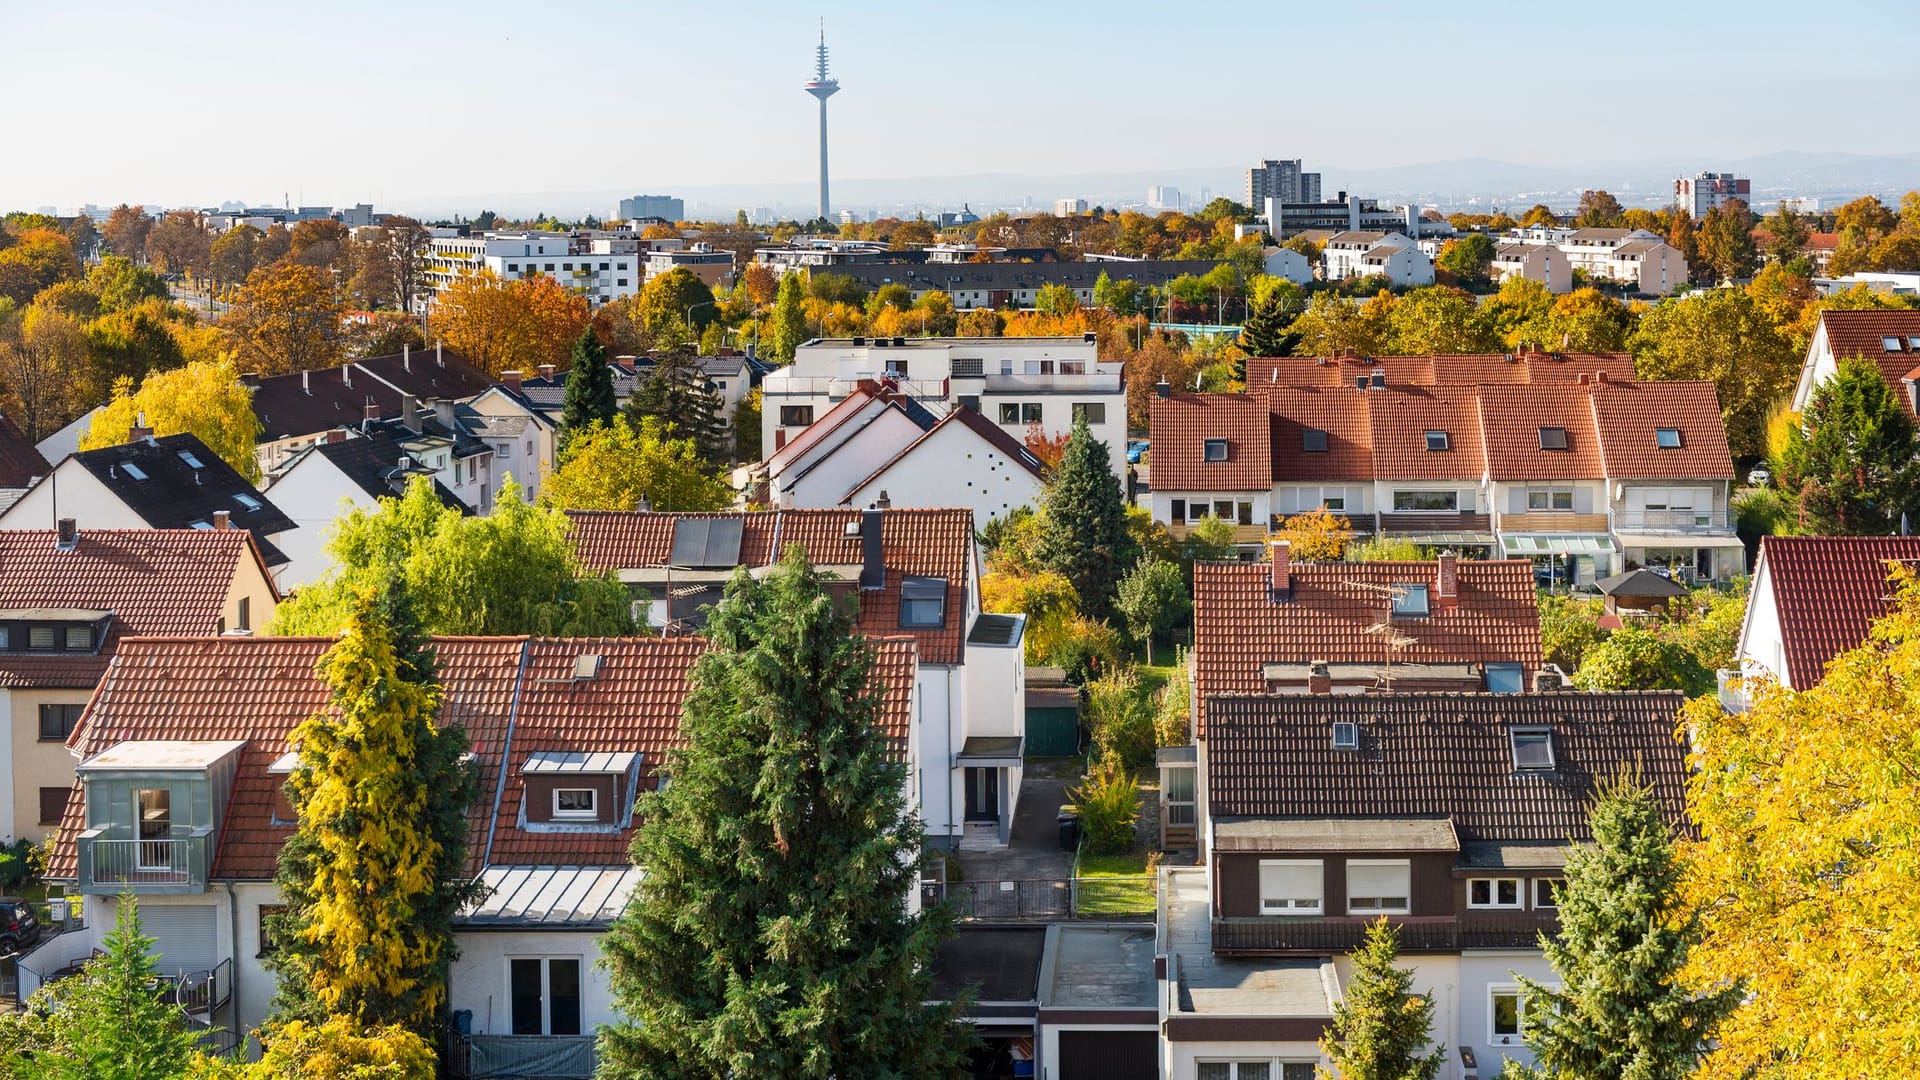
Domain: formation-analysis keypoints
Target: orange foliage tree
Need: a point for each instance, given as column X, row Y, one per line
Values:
column 509, row 325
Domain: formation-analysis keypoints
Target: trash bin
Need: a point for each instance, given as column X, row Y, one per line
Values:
column 1069, row 821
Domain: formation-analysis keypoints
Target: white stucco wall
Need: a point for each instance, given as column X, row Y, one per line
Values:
column 71, row 491
column 953, row 467
column 938, row 736
column 827, row 476
column 478, row 981
column 314, row 493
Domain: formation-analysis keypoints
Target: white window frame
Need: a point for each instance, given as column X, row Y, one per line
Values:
column 1294, row 905
column 590, row 814
column 1276, row 1067
column 1495, row 1037
column 1380, row 908
column 546, row 987
column 1548, row 496
column 1544, row 886
column 1492, row 903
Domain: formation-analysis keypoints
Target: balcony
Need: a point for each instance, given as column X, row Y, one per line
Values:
column 1343, row 933
column 110, row 865
column 1092, row 382
column 480, row 1057
column 1682, row 522
column 1435, row 523
column 1732, row 692
column 1551, row 521
column 1242, row 534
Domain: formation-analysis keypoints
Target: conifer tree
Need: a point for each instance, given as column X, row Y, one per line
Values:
column 590, row 394
column 1856, row 464
column 1084, row 535
column 1381, row 1026
column 769, row 936
column 1268, row 329
column 376, row 868
column 1621, row 1009
column 676, row 394
column 789, row 318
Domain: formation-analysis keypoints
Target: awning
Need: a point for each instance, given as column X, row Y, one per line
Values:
column 1482, row 539
column 1529, row 544
column 991, row 752
column 1679, row 541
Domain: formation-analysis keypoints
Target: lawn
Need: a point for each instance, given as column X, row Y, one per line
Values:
column 1113, row 885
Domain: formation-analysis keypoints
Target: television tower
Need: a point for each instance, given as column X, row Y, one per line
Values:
column 822, row 87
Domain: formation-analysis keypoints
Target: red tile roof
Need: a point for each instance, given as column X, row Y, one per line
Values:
column 1828, row 591
column 1859, row 333
column 1238, row 627
column 915, row 542
column 20, row 462
column 1401, row 419
column 1627, row 416
column 1457, row 369
column 1512, row 417
column 514, row 696
column 1342, row 414
column 154, row 581
column 1180, row 427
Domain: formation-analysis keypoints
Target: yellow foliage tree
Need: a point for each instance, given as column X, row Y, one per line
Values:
column 1046, row 598
column 613, row 467
column 286, row 318
column 509, row 325
column 206, row 399
column 1808, row 806
column 1316, row 536
column 335, row 1049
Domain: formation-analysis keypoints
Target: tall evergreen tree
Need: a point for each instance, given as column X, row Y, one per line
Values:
column 376, row 868
column 789, row 318
column 1085, row 536
column 1855, row 466
column 676, row 393
column 1621, row 1009
column 589, row 386
column 769, row 936
column 1381, row 1027
column 1267, row 331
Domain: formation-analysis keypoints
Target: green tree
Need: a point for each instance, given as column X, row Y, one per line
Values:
column 1153, row 599
column 1518, row 312
column 672, row 308
column 130, row 343
column 618, row 467
column 589, row 398
column 1598, row 210
column 1787, row 234
column 770, row 935
column 1622, row 1007
column 1855, row 465
column 1122, row 297
column 1569, row 626
column 120, row 284
column 1726, row 337
column 1268, row 329
column 1437, row 320
column 511, row 572
column 377, row 865
column 1381, row 1028
column 1056, row 300
column 789, row 319
column 1086, row 538
column 1643, row 658
column 677, row 394
column 1726, row 241
column 1468, row 258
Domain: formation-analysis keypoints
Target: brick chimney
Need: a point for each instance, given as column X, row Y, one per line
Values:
column 546, row 370
column 1600, row 377
column 1280, row 585
column 67, row 537
column 1319, row 677
column 222, row 520
column 335, row 435
column 139, row 430
column 511, row 379
column 1446, row 580
column 372, row 409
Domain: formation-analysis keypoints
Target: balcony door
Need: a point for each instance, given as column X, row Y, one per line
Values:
column 155, row 809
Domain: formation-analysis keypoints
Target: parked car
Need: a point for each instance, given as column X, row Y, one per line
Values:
column 1136, row 450
column 19, row 927
column 1759, row 478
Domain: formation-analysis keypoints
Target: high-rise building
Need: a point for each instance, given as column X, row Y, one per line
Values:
column 1069, row 207
column 664, row 207
column 822, row 87
column 1283, row 180
column 1162, row 197
column 1700, row 193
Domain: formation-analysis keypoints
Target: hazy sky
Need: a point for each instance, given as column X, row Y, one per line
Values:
column 198, row 101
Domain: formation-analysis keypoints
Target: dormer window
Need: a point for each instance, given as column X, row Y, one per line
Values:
column 1313, row 441
column 1437, row 440
column 576, row 788
column 1410, row 601
column 1553, row 438
column 1216, row 450
column 1666, row 438
column 1532, row 748
column 576, row 804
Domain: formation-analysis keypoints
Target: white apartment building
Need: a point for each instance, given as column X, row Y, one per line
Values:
column 1633, row 257
column 601, row 269
column 1700, row 193
column 1014, row 382
column 1070, row 207
column 1543, row 263
column 1362, row 254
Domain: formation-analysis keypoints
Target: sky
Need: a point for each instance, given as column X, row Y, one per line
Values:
column 194, row 102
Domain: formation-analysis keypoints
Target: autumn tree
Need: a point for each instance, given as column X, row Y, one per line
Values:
column 131, row 343
column 672, row 308
column 1587, row 320
column 1381, row 1028
column 1086, row 539
column 1436, row 320
column 285, row 319
column 178, row 244
column 509, row 325
column 234, row 255
column 321, row 243
column 1598, row 210
column 37, row 259
column 1723, row 336
column 206, row 400
column 1807, row 805
column 1787, row 233
column 119, row 283
column 401, row 245
column 376, row 867
column 616, row 466
column 43, row 356
column 1469, row 258
column 1637, row 657
column 1683, row 235
column 777, row 866
column 1319, row 535
column 1332, row 323
column 677, row 394
column 1857, row 466
column 335, row 1049
column 126, row 231
column 1538, row 214
column 1726, row 241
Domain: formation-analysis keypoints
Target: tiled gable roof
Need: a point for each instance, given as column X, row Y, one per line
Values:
column 1512, row 417
column 175, row 494
column 1442, row 756
column 1401, row 419
column 20, row 461
column 1238, row 627
column 1342, row 414
column 1860, row 333
column 1180, row 427
column 154, row 581
column 1828, row 591
column 1464, row 369
column 1628, row 415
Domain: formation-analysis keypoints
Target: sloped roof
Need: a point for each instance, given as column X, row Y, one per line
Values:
column 1459, row 369
column 1342, row 414
column 1238, row 628
column 1441, row 756
column 1829, row 590
column 1512, row 417
column 153, row 581
column 1859, row 333
column 20, row 461
column 305, row 403
column 1627, row 416
column 1401, row 419
column 175, row 494
column 1181, row 425
column 372, row 462
column 992, row 434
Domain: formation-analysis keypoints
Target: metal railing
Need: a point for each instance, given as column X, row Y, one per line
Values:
column 113, row 864
column 1732, row 692
column 1678, row 521
column 1120, row 896
column 1343, row 933
column 482, row 1057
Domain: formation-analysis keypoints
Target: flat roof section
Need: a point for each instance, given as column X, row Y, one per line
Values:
column 1099, row 967
column 1211, row 986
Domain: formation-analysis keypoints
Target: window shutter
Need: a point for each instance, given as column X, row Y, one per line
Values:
column 1291, row 881
column 1377, row 879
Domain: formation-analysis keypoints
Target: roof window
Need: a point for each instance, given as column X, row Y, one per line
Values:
column 1553, row 438
column 1216, row 450
column 1532, row 748
column 1313, row 441
column 1890, row 343
column 248, row 502
column 192, row 461
column 1666, row 438
column 1409, row 601
column 923, row 602
column 134, row 471
column 1437, row 440
column 1346, row 735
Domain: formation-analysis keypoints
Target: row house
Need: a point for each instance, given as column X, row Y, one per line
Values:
column 295, row 410
column 913, row 572
column 1578, row 477
column 1889, row 339
column 1447, row 814
column 68, row 598
column 183, row 757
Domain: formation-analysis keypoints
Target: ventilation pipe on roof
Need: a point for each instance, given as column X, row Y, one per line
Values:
column 305, row 387
column 406, row 356
column 439, row 355
column 883, row 502
column 346, row 375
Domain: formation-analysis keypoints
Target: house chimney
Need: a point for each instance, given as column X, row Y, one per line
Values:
column 406, row 356
column 546, row 370
column 336, row 435
column 883, row 502
column 1280, row 587
column 1600, row 377
column 1319, row 677
column 511, row 379
column 1446, row 580
column 873, row 553
column 222, row 520
column 410, row 412
column 1584, row 379
column 372, row 409
column 139, row 430
column 1546, row 681
column 439, row 356
column 346, row 375
column 68, row 536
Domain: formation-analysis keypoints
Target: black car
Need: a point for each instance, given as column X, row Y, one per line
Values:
column 19, row 927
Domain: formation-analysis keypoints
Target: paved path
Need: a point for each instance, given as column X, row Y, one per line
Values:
column 1033, row 847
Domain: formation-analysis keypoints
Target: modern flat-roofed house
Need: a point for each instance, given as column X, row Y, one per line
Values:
column 1890, row 339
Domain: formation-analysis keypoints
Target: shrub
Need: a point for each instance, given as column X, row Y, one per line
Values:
column 1120, row 717
column 19, row 863
column 1086, row 650
column 1569, row 626
column 1644, row 658
column 1172, row 719
column 1383, row 549
column 1108, row 801
column 1317, row 536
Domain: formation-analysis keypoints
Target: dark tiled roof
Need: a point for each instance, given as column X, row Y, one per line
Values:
column 1238, row 627
column 1180, row 427
column 1441, row 756
column 372, row 462
column 172, row 581
column 306, row 403
column 175, row 495
column 20, row 462
column 1626, row 417
column 1829, row 590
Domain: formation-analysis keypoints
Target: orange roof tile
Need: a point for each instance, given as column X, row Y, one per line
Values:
column 1512, row 417
column 1401, row 418
column 1628, row 415
column 1461, row 369
column 1342, row 414
column 1182, row 424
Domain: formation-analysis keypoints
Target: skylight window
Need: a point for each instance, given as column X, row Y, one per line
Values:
column 1890, row 344
column 134, row 471
column 1313, row 441
column 1437, row 440
column 1666, row 438
column 1216, row 450
column 1913, row 342
column 192, row 461
column 1409, row 601
column 248, row 502
column 1553, row 438
column 1346, row 735
column 1532, row 748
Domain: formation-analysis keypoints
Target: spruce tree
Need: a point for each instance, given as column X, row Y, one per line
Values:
column 1268, row 330
column 589, row 386
column 769, row 936
column 376, row 868
column 1381, row 1026
column 1856, row 464
column 676, row 394
column 1621, row 1009
column 1084, row 534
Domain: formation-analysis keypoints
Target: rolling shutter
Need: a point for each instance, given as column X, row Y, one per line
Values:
column 183, row 936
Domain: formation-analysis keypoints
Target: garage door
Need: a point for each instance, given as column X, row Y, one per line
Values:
column 183, row 936
column 1109, row 1055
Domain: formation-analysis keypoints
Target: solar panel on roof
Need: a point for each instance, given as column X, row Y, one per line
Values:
column 706, row 542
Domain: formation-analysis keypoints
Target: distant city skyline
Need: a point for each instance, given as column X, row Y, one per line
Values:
column 434, row 102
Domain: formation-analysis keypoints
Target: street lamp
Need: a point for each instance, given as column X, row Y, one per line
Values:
column 689, row 319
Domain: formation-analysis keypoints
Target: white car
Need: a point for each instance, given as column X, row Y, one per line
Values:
column 1759, row 477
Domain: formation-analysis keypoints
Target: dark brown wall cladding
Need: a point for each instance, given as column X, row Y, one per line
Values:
column 1237, row 879
column 540, row 795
